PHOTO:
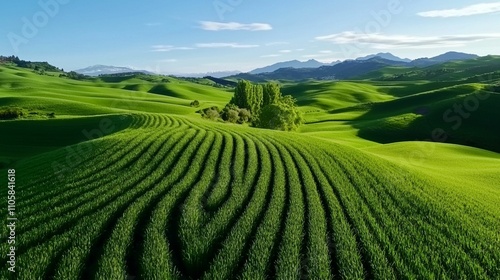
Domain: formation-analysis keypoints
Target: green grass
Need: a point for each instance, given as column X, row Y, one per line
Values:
column 482, row 69
column 168, row 195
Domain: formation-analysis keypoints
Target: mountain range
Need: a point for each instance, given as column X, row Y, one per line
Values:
column 97, row 70
column 350, row 68
column 310, row 69
column 312, row 63
column 388, row 56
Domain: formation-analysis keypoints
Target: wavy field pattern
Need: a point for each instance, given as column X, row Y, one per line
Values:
column 175, row 198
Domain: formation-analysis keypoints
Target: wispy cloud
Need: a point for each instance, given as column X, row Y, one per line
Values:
column 326, row 52
column 476, row 9
column 218, row 26
column 168, row 48
column 224, row 45
column 270, row 55
column 285, row 51
column 380, row 41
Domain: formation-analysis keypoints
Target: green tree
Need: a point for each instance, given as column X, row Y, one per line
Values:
column 244, row 116
column 248, row 96
column 230, row 113
column 282, row 115
column 272, row 94
column 241, row 94
column 211, row 113
column 195, row 103
column 256, row 99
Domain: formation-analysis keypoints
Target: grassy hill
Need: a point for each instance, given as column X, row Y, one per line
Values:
column 130, row 181
column 482, row 69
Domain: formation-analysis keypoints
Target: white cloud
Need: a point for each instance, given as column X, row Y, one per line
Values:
column 476, row 9
column 270, row 55
column 224, row 45
column 285, row 51
column 168, row 48
column 218, row 26
column 380, row 41
column 326, row 52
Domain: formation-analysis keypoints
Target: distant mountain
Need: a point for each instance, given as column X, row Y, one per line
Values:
column 312, row 63
column 349, row 69
column 97, row 70
column 344, row 70
column 446, row 57
column 388, row 56
column 220, row 74
column 450, row 56
column 483, row 69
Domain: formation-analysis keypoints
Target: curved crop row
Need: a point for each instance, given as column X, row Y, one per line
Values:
column 177, row 198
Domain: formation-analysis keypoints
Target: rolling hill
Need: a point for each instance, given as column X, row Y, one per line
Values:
column 128, row 181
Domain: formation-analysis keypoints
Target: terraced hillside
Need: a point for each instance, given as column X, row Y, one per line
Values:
column 171, row 197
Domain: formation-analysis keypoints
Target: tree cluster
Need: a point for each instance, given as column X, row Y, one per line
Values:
column 261, row 105
column 10, row 113
column 37, row 66
column 73, row 75
column 195, row 103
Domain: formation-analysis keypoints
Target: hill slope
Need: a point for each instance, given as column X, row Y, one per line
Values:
column 224, row 201
column 123, row 182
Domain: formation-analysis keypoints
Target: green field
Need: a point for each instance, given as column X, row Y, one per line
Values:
column 128, row 180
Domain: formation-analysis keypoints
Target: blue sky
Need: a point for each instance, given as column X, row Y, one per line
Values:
column 193, row 36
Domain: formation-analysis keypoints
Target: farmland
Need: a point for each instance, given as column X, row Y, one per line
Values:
column 127, row 180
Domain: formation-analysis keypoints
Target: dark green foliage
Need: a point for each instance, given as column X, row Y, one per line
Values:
column 10, row 113
column 249, row 96
column 37, row 66
column 272, row 94
column 282, row 115
column 73, row 75
column 233, row 116
column 241, row 94
column 265, row 107
column 245, row 115
column 231, row 113
column 195, row 103
column 211, row 113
